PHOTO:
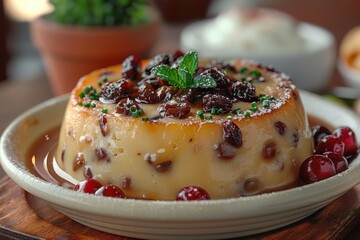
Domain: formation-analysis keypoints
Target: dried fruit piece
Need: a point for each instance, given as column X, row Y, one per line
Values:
column 232, row 134
column 244, row 91
column 280, row 127
column 269, row 150
column 114, row 91
column 215, row 101
column 163, row 167
column 174, row 110
column 225, row 151
column 220, row 78
column 131, row 67
column 127, row 106
column 103, row 123
column 102, row 154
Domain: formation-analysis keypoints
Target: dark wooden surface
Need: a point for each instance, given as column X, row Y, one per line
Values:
column 338, row 16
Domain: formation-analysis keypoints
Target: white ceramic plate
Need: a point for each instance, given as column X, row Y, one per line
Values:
column 211, row 219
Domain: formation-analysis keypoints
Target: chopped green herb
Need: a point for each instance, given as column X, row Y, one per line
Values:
column 135, row 114
column 145, row 119
column 208, row 117
column 220, row 111
column 87, row 105
column 88, row 89
column 141, row 112
column 213, row 111
column 266, row 103
column 227, row 70
column 247, row 113
column 93, row 105
column 99, row 84
column 104, row 79
column 254, row 107
column 243, row 70
column 81, row 95
column 271, row 98
column 200, row 114
column 105, row 110
column 262, row 98
column 80, row 104
column 132, row 109
column 237, row 111
column 255, row 73
column 229, row 116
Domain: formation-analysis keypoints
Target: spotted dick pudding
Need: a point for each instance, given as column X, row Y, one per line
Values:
column 178, row 128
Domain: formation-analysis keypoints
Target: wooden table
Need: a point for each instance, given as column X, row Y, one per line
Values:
column 338, row 16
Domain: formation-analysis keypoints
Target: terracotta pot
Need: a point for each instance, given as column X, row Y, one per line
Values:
column 70, row 52
column 182, row 10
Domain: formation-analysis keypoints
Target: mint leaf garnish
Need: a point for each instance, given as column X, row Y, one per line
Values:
column 169, row 74
column 189, row 62
column 204, row 82
column 183, row 77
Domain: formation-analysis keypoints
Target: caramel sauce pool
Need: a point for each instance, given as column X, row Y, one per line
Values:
column 41, row 160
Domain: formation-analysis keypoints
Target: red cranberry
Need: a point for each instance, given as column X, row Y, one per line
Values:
column 191, row 193
column 340, row 162
column 110, row 191
column 88, row 186
column 347, row 136
column 131, row 67
column 319, row 132
column 330, row 143
column 316, row 168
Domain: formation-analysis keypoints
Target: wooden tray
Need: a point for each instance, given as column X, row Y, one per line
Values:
column 24, row 216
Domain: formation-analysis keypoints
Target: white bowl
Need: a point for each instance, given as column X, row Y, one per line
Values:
column 351, row 76
column 209, row 219
column 310, row 68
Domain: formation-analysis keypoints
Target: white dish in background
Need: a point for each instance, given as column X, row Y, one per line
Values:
column 310, row 66
column 210, row 219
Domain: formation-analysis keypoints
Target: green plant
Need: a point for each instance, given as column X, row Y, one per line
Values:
column 98, row 12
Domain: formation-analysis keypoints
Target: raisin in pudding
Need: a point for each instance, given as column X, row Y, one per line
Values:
column 172, row 125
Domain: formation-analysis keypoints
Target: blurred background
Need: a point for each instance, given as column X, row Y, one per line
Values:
column 20, row 61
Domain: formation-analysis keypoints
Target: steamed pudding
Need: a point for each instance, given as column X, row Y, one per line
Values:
column 154, row 127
